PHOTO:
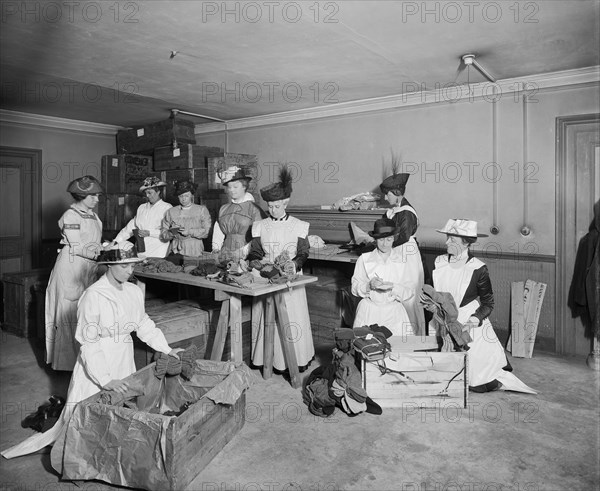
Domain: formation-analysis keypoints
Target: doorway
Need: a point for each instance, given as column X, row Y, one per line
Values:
column 577, row 189
column 21, row 205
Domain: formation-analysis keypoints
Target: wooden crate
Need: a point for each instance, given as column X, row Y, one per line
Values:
column 125, row 173
column 142, row 449
column 21, row 301
column 437, row 380
column 324, row 299
column 115, row 210
column 188, row 157
column 181, row 322
column 144, row 139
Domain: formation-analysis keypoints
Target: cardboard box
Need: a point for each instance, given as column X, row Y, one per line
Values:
column 428, row 380
column 125, row 173
column 144, row 139
column 21, row 301
column 138, row 445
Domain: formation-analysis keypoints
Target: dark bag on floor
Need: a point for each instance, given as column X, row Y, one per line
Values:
column 46, row 416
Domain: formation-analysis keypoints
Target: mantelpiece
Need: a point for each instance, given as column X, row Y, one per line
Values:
column 334, row 225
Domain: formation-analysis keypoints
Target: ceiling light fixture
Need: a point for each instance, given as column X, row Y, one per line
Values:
column 469, row 60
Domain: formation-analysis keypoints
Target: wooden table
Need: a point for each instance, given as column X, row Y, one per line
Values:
column 333, row 252
column 230, row 316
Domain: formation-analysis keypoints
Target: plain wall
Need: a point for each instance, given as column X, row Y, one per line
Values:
column 66, row 155
column 446, row 147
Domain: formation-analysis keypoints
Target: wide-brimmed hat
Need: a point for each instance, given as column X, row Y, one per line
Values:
column 460, row 227
column 384, row 227
column 85, row 185
column 184, row 186
column 233, row 173
column 151, row 182
column 395, row 181
column 119, row 256
column 279, row 190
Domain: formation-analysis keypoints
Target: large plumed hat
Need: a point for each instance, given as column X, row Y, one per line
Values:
column 85, row 185
column 384, row 227
column 118, row 255
column 233, row 173
column 151, row 182
column 184, row 186
column 281, row 189
column 461, row 227
column 395, row 181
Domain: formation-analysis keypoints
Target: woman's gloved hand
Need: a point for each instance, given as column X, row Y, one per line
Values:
column 174, row 352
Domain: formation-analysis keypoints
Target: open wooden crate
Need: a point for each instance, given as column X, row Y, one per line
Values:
column 139, row 446
column 427, row 379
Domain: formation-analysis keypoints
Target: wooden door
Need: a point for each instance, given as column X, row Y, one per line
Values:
column 577, row 189
column 20, row 205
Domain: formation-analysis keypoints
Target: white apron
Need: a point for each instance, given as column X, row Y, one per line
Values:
column 384, row 308
column 277, row 236
column 486, row 357
column 105, row 319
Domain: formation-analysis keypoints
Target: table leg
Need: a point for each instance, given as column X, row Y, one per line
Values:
column 235, row 327
column 286, row 337
column 221, row 334
column 268, row 337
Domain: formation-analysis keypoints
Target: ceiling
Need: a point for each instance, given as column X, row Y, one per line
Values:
column 112, row 63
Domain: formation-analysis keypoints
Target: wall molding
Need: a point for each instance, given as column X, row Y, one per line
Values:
column 37, row 120
column 447, row 94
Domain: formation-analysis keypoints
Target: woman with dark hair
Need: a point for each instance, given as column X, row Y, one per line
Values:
column 147, row 220
column 73, row 272
column 187, row 224
column 233, row 230
column 380, row 280
column 467, row 279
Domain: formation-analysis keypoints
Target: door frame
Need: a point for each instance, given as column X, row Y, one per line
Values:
column 563, row 277
column 36, row 196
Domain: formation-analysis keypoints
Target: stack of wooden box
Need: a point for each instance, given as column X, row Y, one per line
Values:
column 166, row 149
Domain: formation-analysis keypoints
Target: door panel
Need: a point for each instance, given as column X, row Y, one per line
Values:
column 578, row 188
column 20, row 202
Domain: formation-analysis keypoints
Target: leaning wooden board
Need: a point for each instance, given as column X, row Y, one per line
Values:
column 430, row 380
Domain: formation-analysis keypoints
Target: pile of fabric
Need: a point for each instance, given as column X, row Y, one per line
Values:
column 338, row 384
column 445, row 315
column 157, row 265
column 169, row 365
column 360, row 201
column 281, row 270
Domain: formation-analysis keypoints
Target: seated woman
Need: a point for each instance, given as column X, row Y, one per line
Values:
column 187, row 224
column 378, row 278
column 467, row 279
column 108, row 312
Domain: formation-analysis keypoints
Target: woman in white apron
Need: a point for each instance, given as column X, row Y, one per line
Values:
column 379, row 279
column 108, row 312
column 467, row 279
column 74, row 271
column 270, row 237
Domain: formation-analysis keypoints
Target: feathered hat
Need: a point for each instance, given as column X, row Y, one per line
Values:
column 397, row 180
column 151, row 182
column 279, row 190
